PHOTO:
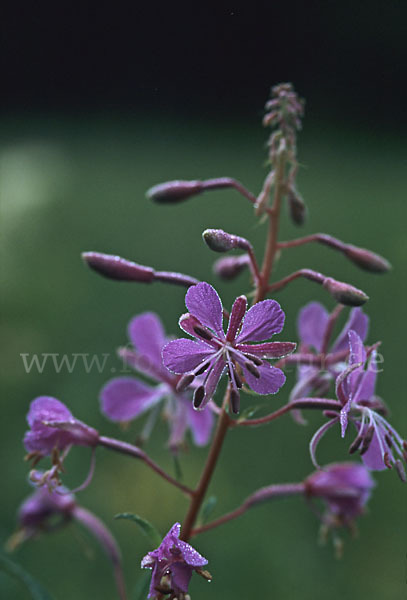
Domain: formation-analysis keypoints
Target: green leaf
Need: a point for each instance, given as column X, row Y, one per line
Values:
column 207, row 508
column 14, row 570
column 149, row 530
column 142, row 586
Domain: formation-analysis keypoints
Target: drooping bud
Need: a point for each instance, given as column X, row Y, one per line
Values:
column 115, row 267
column 296, row 206
column 344, row 292
column 365, row 259
column 230, row 267
column 172, row 192
column 221, row 241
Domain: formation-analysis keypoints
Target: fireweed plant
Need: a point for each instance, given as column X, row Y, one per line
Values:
column 335, row 377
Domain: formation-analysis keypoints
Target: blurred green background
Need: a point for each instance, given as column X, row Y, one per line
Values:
column 74, row 184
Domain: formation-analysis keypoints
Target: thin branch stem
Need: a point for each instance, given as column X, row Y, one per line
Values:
column 307, row 273
column 134, row 451
column 274, row 220
column 321, row 238
column 271, row 492
column 225, row 182
column 310, row 403
column 198, row 495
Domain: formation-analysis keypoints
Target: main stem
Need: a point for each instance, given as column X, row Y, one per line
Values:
column 198, row 494
column 272, row 237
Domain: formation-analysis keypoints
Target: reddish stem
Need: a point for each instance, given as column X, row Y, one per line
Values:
column 198, row 494
column 130, row 450
column 311, row 403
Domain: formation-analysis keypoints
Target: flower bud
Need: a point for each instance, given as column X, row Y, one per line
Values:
column 344, row 292
column 174, row 191
column 220, row 241
column 365, row 259
column 296, row 207
column 230, row 267
column 115, row 267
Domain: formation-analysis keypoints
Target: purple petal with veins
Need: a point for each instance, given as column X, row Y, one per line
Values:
column 312, row 323
column 203, row 302
column 125, row 398
column 182, row 356
column 358, row 322
column 147, row 335
column 262, row 320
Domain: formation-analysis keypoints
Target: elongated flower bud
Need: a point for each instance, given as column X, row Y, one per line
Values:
column 221, row 241
column 344, row 292
column 230, row 267
column 365, row 259
column 296, row 207
column 115, row 267
column 171, row 192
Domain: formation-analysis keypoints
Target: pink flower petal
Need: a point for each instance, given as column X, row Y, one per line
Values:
column 147, row 335
column 182, row 356
column 262, row 321
column 312, row 323
column 357, row 321
column 200, row 423
column 270, row 381
column 125, row 398
column 203, row 302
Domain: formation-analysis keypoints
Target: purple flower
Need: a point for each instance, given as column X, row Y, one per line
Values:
column 126, row 398
column 172, row 564
column 314, row 330
column 344, row 487
column 41, row 507
column 213, row 352
column 377, row 441
column 53, row 427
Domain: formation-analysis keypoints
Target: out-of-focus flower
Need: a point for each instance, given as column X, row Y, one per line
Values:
column 53, row 427
column 314, row 333
column 126, row 398
column 344, row 487
column 172, row 564
column 213, row 352
column 378, row 442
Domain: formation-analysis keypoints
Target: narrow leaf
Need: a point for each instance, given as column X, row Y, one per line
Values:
column 147, row 528
column 14, row 570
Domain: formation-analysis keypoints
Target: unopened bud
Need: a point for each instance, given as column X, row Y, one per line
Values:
column 174, row 191
column 221, row 241
column 296, row 207
column 115, row 267
column 230, row 267
column 344, row 292
column 235, row 401
column 365, row 259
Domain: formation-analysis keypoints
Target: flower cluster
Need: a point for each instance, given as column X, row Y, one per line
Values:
column 179, row 378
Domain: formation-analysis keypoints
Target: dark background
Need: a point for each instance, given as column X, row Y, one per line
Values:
column 205, row 57
column 99, row 103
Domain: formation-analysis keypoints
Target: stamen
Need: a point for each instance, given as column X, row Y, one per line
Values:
column 386, row 460
column 252, row 369
column 235, row 401
column 356, row 443
column 238, row 381
column 199, row 396
column 203, row 333
column 255, row 359
column 400, row 470
column 388, row 440
column 367, row 440
column 184, row 382
column 203, row 368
